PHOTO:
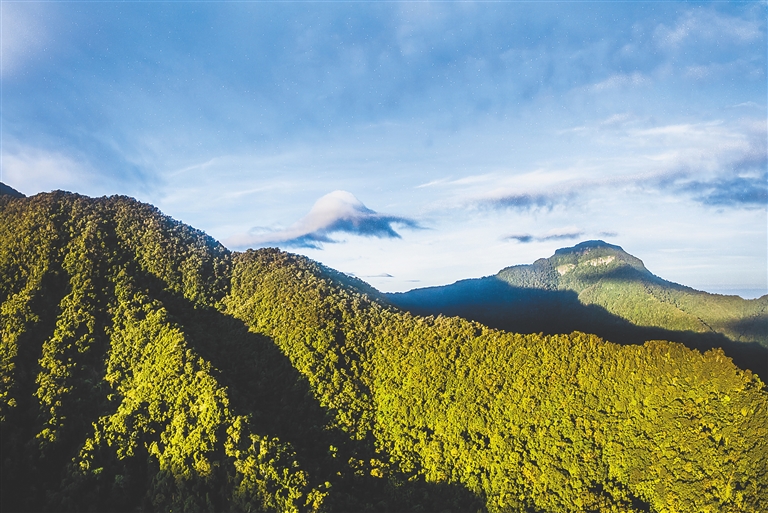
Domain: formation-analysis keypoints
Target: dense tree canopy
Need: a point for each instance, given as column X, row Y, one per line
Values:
column 596, row 287
column 145, row 367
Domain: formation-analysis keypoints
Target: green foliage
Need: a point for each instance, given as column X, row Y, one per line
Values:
column 539, row 275
column 607, row 276
column 144, row 367
column 317, row 324
column 114, row 409
column 598, row 288
column 527, row 422
column 565, row 432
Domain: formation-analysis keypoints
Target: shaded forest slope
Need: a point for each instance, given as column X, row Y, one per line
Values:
column 145, row 367
column 598, row 288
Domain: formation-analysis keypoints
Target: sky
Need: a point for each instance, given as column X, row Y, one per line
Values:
column 410, row 144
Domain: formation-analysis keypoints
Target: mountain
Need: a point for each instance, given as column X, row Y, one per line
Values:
column 10, row 191
column 143, row 366
column 598, row 288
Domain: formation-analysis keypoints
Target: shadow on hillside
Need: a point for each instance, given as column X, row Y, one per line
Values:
column 24, row 421
column 32, row 465
column 262, row 383
column 626, row 273
column 497, row 304
column 751, row 327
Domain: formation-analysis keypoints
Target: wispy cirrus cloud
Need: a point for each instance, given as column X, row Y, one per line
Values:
column 707, row 44
column 37, row 168
column 621, row 80
column 714, row 163
column 336, row 212
column 697, row 25
column 733, row 175
column 711, row 163
column 749, row 104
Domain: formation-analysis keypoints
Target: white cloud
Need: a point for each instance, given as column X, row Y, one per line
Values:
column 336, row 212
column 32, row 170
column 674, row 159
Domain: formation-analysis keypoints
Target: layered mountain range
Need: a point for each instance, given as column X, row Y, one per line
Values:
column 144, row 367
column 599, row 288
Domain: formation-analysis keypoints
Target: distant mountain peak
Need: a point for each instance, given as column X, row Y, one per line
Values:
column 594, row 256
column 597, row 287
column 10, row 191
column 587, row 260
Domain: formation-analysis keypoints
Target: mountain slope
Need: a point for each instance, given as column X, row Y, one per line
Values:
column 106, row 403
column 605, row 275
column 10, row 191
column 145, row 367
column 527, row 422
column 599, row 288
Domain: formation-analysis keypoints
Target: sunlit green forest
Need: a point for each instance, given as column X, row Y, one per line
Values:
column 144, row 367
column 596, row 287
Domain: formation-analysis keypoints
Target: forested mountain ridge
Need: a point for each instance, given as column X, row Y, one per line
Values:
column 605, row 275
column 4, row 189
column 145, row 367
column 597, row 287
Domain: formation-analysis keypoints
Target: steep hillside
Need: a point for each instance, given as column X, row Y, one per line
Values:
column 106, row 402
column 145, row 367
column 597, row 287
column 10, row 191
column 605, row 275
column 527, row 423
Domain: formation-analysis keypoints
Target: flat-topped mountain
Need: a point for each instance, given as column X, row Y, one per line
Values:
column 599, row 288
column 605, row 275
column 575, row 268
column 144, row 367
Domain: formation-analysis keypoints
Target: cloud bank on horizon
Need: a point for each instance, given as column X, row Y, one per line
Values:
column 509, row 129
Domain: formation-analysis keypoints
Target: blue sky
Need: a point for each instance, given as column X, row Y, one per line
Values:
column 408, row 143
